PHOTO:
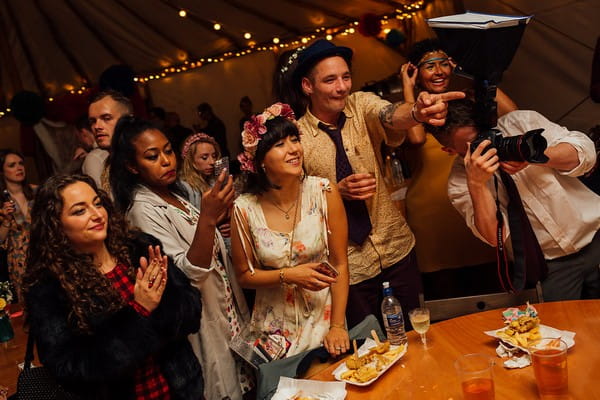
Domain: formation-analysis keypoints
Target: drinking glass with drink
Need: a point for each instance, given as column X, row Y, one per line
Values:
column 419, row 318
column 475, row 372
column 549, row 359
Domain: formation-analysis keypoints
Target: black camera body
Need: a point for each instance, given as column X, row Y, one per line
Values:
column 528, row 147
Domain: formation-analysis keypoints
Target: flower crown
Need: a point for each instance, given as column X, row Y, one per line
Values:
column 193, row 139
column 255, row 128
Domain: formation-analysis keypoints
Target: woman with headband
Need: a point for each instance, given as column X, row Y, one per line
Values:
column 289, row 240
column 431, row 69
column 199, row 153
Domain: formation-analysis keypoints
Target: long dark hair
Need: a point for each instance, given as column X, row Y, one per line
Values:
column 123, row 182
column 277, row 128
column 285, row 88
column 27, row 190
column 51, row 254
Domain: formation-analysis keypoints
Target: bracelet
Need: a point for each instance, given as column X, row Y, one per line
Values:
column 341, row 326
column 281, row 277
column 412, row 113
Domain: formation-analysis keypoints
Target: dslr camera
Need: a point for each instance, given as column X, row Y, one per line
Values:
column 528, row 147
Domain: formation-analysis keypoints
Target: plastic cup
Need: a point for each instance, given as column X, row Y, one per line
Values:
column 475, row 372
column 549, row 359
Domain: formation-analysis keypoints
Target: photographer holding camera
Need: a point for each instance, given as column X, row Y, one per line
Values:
column 564, row 214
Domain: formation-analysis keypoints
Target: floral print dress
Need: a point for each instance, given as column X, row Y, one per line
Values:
column 302, row 316
column 16, row 245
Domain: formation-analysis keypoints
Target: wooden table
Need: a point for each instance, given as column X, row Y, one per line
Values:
column 429, row 374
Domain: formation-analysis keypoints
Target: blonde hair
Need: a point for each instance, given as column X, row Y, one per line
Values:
column 189, row 173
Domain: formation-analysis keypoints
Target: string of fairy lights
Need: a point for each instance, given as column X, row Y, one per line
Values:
column 405, row 11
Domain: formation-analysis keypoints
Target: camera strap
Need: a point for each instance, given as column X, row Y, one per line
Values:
column 529, row 264
column 501, row 258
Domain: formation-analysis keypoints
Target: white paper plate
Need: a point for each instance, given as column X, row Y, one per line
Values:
column 364, row 349
column 545, row 331
column 289, row 387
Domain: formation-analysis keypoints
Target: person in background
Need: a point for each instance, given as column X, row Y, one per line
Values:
column 285, row 226
column 340, row 134
column 158, row 117
column 104, row 111
column 15, row 216
column 564, row 214
column 176, row 132
column 212, row 126
column 108, row 312
column 199, row 154
column 459, row 265
column 85, row 138
column 246, row 109
column 143, row 178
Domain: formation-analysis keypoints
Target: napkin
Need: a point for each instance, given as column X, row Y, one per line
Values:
column 514, row 361
column 289, row 387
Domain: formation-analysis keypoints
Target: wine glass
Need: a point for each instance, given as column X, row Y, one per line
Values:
column 419, row 318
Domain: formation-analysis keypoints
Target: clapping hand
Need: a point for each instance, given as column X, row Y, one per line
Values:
column 151, row 279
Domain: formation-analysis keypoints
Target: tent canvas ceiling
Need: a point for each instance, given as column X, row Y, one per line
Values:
column 50, row 45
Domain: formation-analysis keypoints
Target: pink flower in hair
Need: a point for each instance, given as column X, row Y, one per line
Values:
column 274, row 110
column 246, row 162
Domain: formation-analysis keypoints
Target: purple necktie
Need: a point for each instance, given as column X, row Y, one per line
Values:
column 529, row 261
column 359, row 223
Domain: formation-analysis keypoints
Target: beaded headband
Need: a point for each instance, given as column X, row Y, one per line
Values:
column 423, row 59
column 194, row 139
column 291, row 60
column 255, row 128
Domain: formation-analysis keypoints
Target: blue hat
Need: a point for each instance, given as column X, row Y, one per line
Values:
column 316, row 52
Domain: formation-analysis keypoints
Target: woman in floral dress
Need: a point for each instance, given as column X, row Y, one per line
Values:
column 284, row 227
column 15, row 220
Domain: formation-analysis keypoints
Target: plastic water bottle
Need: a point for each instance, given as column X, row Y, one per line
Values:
column 392, row 316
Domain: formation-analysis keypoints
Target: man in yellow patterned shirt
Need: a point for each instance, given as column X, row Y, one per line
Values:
column 340, row 135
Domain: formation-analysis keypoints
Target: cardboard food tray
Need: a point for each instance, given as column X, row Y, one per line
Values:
column 545, row 332
column 364, row 349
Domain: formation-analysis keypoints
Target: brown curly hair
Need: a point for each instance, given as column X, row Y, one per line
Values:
column 51, row 254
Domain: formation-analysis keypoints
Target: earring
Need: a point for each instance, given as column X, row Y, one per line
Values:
column 263, row 167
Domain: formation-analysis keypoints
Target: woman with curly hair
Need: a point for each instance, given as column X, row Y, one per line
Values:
column 15, row 218
column 289, row 230
column 105, row 328
column 144, row 183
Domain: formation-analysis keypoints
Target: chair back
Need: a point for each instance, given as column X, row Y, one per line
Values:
column 454, row 307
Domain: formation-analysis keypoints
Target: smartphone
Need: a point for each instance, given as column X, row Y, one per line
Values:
column 6, row 196
column 327, row 269
column 220, row 165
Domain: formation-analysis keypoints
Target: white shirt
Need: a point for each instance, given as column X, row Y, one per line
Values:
column 93, row 165
column 563, row 212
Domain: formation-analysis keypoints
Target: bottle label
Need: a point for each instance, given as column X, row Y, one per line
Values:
column 395, row 320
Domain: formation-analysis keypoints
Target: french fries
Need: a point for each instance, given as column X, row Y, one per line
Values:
column 521, row 332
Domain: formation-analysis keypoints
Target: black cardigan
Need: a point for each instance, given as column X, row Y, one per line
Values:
column 101, row 365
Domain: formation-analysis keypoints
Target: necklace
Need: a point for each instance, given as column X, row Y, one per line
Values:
column 286, row 214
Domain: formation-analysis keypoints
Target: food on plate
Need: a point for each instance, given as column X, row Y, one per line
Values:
column 380, row 347
column 300, row 396
column 368, row 366
column 521, row 331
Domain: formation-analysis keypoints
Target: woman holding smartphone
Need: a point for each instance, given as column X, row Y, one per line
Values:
column 289, row 239
column 200, row 153
column 144, row 183
column 15, row 218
